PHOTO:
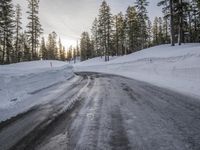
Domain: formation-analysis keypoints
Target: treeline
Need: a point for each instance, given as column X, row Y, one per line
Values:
column 18, row 44
column 52, row 49
column 121, row 34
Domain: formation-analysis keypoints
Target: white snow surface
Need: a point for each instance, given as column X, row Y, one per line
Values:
column 176, row 68
column 19, row 81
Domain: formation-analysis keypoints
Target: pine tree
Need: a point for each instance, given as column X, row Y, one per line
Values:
column 181, row 12
column 194, row 19
column 95, row 37
column 149, row 33
column 119, row 40
column 142, row 18
column 25, row 47
column 74, row 55
column 160, row 31
column 132, row 30
column 105, row 25
column 43, row 49
column 168, row 9
column 7, row 29
column 60, row 48
column 166, row 31
column 77, row 50
column 155, row 31
column 85, row 46
column 52, row 46
column 63, row 54
column 69, row 54
column 18, row 28
column 34, row 27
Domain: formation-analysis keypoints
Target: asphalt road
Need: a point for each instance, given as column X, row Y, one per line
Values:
column 105, row 112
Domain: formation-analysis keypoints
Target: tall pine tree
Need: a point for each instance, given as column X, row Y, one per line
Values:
column 34, row 28
column 7, row 29
column 143, row 19
column 105, row 26
column 18, row 30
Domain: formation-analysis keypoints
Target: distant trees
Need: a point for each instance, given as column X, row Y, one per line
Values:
column 114, row 35
column 111, row 35
column 119, row 34
column 17, row 44
column 53, row 49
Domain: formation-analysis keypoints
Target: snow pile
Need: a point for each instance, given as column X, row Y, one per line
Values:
column 18, row 81
column 176, row 68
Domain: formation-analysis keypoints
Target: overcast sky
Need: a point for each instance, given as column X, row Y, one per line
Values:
column 69, row 18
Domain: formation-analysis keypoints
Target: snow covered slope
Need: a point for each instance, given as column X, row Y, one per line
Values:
column 177, row 68
column 18, row 81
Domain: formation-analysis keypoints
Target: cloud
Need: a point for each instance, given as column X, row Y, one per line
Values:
column 68, row 18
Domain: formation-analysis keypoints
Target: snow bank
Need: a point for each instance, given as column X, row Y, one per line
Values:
column 176, row 68
column 19, row 81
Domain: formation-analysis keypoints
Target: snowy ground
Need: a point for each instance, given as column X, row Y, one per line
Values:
column 18, row 82
column 176, row 67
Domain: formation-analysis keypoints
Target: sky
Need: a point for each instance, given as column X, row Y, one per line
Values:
column 69, row 18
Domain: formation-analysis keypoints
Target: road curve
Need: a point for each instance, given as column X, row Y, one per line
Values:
column 107, row 112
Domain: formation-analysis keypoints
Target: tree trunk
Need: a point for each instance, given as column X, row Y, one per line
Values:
column 180, row 32
column 172, row 22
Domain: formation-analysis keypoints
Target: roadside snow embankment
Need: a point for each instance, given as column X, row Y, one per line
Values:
column 176, row 68
column 18, row 81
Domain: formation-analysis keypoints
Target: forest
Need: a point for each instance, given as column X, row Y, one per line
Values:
column 110, row 35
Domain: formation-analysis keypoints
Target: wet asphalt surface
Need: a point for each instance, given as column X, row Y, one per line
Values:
column 106, row 112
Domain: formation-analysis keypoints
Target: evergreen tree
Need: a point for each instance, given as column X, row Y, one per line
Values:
column 43, row 49
column 7, row 29
column 105, row 26
column 60, row 48
column 52, row 46
column 119, row 40
column 34, row 27
column 149, row 33
column 142, row 18
column 160, row 31
column 25, row 47
column 155, row 31
column 85, row 46
column 168, row 6
column 95, row 37
column 63, row 54
column 74, row 55
column 132, row 30
column 181, row 8
column 77, row 50
column 69, row 54
column 18, row 28
column 166, row 30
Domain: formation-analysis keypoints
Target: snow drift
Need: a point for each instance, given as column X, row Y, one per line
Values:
column 19, row 81
column 176, row 68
